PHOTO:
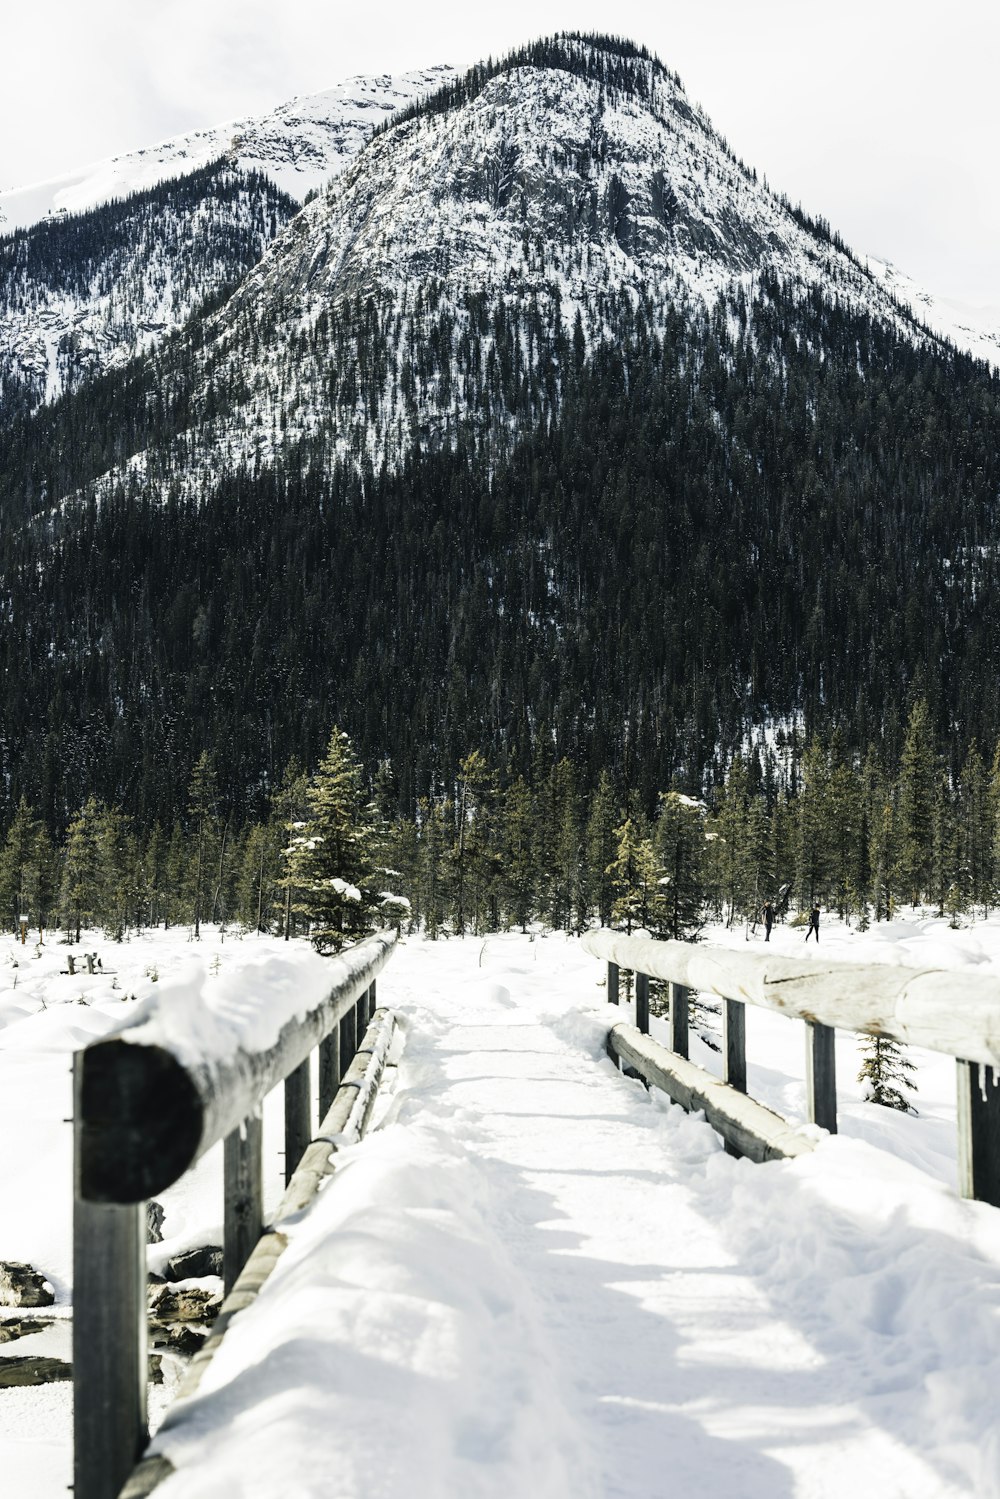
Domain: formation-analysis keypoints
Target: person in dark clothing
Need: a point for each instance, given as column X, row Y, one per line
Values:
column 767, row 916
column 813, row 923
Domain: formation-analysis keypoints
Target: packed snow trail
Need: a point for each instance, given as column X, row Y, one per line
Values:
column 533, row 1277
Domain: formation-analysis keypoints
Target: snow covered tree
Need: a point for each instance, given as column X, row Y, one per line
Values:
column 332, row 857
column 636, row 880
column 680, row 851
column 887, row 1071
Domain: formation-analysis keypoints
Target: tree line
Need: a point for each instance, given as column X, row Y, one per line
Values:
column 812, row 823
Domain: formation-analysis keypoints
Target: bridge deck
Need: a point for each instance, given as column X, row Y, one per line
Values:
column 533, row 1278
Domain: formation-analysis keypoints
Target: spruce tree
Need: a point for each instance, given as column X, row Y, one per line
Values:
column 21, row 873
column 476, row 850
column 917, row 796
column 433, row 887
column 976, row 824
column 600, row 847
column 519, row 872
column 336, row 864
column 887, row 1071
column 288, row 823
column 202, row 809
column 636, row 878
column 680, row 851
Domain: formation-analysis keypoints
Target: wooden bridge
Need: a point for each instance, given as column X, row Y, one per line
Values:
column 146, row 1111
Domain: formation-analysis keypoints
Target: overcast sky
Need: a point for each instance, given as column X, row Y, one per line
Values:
column 882, row 116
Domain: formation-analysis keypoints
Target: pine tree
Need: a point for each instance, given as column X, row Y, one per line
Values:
column 600, row 847
column 77, row 896
column 476, row 852
column 917, row 795
column 813, row 844
column 736, row 888
column 636, row 880
column 21, row 872
column 519, row 872
column 202, row 808
column 432, row 865
column 288, row 820
column 887, row 1071
column 977, row 820
column 680, row 852
column 336, row 865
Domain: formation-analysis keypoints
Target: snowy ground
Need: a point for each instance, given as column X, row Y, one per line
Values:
column 533, row 1276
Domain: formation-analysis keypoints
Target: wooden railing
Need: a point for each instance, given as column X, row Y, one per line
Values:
column 143, row 1114
column 954, row 1013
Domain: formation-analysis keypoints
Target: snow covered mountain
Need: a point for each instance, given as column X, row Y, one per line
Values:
column 543, row 335
column 571, row 182
column 299, row 146
column 99, row 266
column 976, row 329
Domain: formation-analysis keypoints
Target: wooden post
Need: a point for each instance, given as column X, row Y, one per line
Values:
column 109, row 1335
column 329, row 1069
column 734, row 1044
column 348, row 1038
column 244, row 1188
column 821, row 1075
column 679, row 997
column 978, row 1118
column 361, row 1016
column 298, row 1115
column 642, row 1003
column 612, row 983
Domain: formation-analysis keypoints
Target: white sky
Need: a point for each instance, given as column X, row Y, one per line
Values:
column 881, row 115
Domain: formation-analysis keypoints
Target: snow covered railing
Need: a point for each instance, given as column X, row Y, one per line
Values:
column 939, row 1010
column 149, row 1101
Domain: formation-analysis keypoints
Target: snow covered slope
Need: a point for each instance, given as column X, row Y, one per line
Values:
column 558, row 1281
column 299, row 146
column 101, row 265
column 976, row 329
column 88, row 292
column 576, row 179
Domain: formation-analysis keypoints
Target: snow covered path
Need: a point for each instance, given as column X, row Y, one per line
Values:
column 533, row 1277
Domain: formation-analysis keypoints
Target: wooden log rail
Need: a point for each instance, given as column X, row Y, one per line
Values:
column 144, row 1114
column 344, row 1124
column 957, row 1014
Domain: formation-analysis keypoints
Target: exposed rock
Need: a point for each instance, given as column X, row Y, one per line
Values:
column 194, row 1263
column 166, row 1304
column 22, row 1285
column 28, row 1371
column 179, row 1337
column 22, row 1327
column 154, row 1222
